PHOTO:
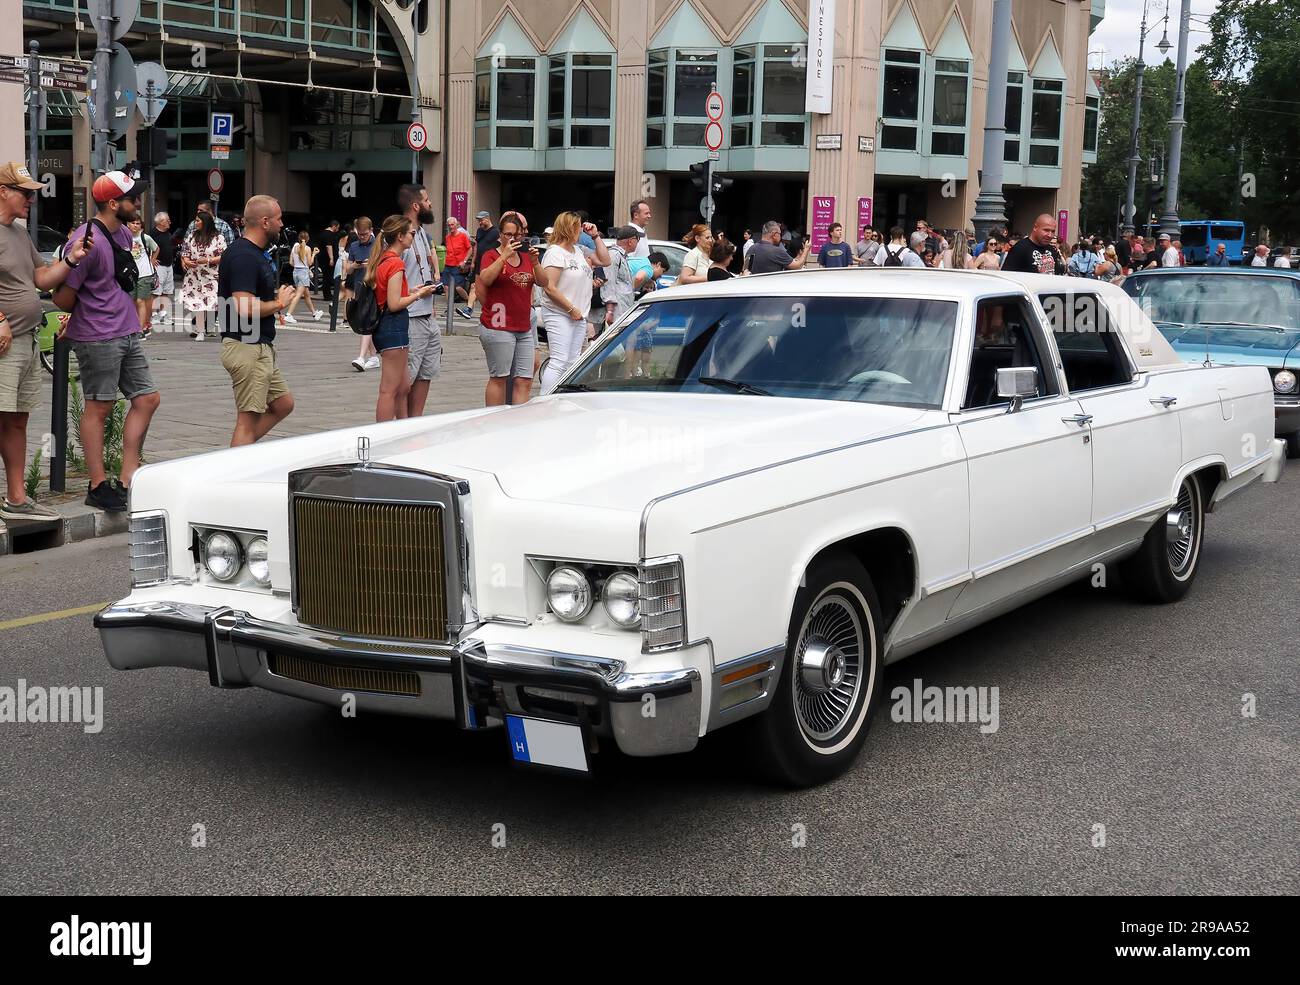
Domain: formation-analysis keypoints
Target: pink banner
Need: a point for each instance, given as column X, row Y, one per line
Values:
column 864, row 217
column 1063, row 226
column 823, row 214
column 460, row 207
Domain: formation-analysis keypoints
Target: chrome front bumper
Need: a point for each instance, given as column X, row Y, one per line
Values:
column 473, row 683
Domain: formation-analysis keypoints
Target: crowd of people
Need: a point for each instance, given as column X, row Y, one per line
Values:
column 556, row 289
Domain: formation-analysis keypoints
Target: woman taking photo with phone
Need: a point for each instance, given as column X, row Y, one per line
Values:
column 386, row 273
column 565, row 279
column 505, row 285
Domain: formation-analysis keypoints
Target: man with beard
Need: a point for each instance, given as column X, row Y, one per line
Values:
column 23, row 275
column 105, row 334
column 424, row 357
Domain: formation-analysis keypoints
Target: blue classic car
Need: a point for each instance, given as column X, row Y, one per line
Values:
column 1233, row 316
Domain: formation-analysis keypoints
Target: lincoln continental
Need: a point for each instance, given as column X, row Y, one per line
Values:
column 741, row 503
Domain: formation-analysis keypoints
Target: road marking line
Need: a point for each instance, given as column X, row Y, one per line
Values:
column 51, row 616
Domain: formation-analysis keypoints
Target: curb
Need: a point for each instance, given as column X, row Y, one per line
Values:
column 77, row 522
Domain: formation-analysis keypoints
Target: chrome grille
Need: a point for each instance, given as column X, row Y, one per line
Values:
column 402, row 682
column 373, row 569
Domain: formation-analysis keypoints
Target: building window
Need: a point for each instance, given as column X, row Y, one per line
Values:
column 742, row 96
column 591, row 94
column 901, row 99
column 948, row 117
column 656, row 97
column 555, row 102
column 1091, row 118
column 678, row 82
column 505, row 103
column 1015, row 116
column 782, row 112
column 1045, row 123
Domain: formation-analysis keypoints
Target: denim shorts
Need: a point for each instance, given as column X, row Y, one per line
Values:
column 112, row 365
column 301, row 277
column 393, row 331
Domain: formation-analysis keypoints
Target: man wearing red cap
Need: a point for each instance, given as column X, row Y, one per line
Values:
column 105, row 334
column 23, row 275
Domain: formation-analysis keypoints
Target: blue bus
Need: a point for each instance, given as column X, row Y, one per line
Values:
column 1201, row 237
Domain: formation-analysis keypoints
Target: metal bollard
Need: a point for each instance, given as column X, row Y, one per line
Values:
column 59, row 424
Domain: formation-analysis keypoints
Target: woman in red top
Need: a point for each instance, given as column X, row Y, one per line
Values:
column 386, row 273
column 505, row 283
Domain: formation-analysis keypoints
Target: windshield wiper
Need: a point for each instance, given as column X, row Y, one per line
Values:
column 735, row 386
column 1245, row 324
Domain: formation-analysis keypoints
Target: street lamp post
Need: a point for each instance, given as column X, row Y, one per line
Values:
column 1177, row 123
column 990, row 206
column 1134, row 158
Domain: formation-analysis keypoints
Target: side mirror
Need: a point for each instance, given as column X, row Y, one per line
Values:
column 1015, row 383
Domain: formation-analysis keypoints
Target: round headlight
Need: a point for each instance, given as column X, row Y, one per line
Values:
column 1284, row 382
column 259, row 560
column 622, row 598
column 569, row 594
column 221, row 556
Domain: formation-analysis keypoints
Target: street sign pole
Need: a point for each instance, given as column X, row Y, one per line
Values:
column 149, row 100
column 35, row 99
column 103, row 56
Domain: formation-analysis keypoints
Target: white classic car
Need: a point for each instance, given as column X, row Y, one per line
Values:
column 743, row 501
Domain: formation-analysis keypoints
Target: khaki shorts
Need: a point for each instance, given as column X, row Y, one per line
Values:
column 20, row 376
column 256, row 379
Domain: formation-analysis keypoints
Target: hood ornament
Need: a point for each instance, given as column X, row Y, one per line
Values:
column 363, row 451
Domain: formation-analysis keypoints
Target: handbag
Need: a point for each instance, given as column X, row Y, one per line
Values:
column 125, row 271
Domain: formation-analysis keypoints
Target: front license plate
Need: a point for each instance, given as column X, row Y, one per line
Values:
column 541, row 743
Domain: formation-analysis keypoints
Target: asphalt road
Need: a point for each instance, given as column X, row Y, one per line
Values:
column 1111, row 713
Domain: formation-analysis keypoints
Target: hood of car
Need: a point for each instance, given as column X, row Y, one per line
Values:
column 619, row 450
column 1235, row 346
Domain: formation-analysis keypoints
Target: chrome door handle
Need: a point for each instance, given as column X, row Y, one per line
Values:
column 1163, row 401
column 1083, row 420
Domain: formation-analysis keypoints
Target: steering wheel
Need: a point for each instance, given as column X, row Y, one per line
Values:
column 878, row 376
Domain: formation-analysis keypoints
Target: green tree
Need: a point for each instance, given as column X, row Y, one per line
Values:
column 1252, row 55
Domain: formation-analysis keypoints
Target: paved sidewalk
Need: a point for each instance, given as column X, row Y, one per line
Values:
column 198, row 410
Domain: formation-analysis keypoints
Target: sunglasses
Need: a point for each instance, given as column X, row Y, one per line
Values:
column 25, row 192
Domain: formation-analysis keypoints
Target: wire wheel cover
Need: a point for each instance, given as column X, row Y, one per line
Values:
column 1183, row 544
column 832, row 624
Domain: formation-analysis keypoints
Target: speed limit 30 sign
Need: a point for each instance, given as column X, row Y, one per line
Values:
column 417, row 137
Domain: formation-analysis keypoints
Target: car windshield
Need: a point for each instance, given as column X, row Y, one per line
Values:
column 873, row 350
column 1238, row 309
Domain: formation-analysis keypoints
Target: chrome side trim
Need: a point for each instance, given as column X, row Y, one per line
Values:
column 1257, row 460
column 1031, row 552
column 943, row 584
column 1147, row 511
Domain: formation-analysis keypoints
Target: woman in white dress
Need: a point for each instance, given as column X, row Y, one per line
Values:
column 565, row 279
column 200, row 256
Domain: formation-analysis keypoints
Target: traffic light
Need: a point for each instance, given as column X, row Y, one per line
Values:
column 720, row 183
column 700, row 176
column 155, row 146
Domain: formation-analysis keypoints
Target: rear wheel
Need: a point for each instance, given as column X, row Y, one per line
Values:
column 1165, row 566
column 821, row 711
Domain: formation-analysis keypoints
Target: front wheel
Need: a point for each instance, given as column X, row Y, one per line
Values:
column 1166, row 564
column 821, row 711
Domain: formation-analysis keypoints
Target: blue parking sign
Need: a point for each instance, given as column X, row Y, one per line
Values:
column 223, row 127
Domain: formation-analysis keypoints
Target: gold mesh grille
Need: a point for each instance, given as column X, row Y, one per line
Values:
column 345, row 678
column 374, row 569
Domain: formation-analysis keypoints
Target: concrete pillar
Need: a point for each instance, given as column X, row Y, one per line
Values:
column 632, row 27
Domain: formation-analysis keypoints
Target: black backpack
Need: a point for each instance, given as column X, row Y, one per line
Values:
column 893, row 259
column 363, row 310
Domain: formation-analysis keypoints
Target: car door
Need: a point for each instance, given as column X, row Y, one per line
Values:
column 1136, row 436
column 1030, row 469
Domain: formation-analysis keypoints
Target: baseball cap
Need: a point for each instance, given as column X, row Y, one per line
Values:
column 15, row 175
column 626, row 232
column 1164, row 236
column 483, row 215
column 116, row 184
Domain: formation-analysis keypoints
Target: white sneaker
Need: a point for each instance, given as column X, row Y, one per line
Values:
column 319, row 315
column 200, row 337
column 359, row 364
column 291, row 320
column 373, row 362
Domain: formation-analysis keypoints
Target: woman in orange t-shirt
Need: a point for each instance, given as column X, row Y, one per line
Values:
column 386, row 273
